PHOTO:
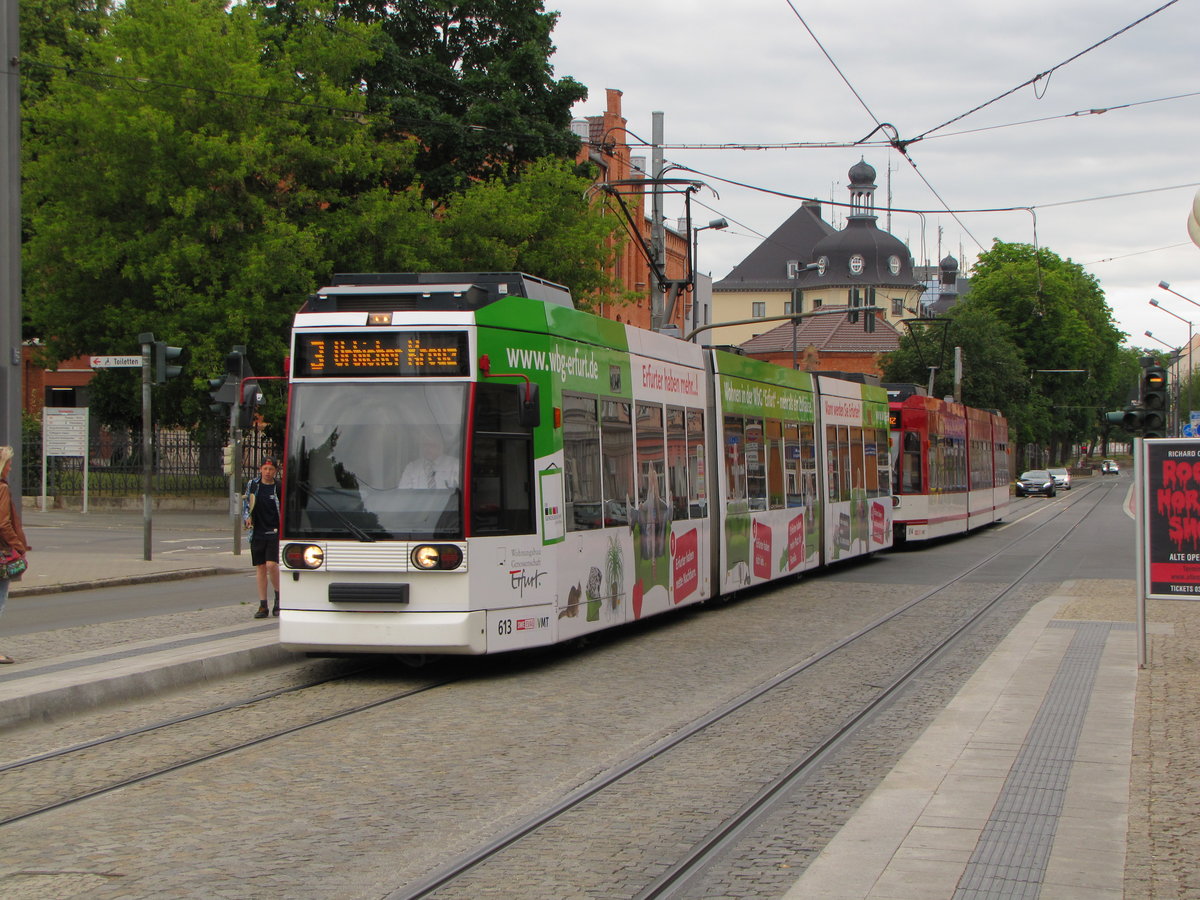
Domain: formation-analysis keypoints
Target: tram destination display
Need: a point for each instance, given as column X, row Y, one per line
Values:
column 411, row 354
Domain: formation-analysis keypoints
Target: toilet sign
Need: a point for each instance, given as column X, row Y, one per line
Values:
column 115, row 362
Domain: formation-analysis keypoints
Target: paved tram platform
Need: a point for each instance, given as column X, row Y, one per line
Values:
column 1058, row 771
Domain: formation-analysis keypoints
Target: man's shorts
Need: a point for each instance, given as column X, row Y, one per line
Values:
column 264, row 550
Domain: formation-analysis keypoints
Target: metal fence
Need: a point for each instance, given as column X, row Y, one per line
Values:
column 185, row 464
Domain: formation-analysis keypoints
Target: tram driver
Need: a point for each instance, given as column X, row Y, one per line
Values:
column 434, row 468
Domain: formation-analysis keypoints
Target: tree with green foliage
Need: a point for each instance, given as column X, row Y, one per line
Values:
column 543, row 223
column 1058, row 318
column 176, row 184
column 994, row 373
column 181, row 180
column 472, row 82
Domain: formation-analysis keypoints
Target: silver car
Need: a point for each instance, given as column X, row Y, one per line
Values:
column 1062, row 478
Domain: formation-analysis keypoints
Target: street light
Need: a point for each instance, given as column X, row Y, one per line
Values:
column 717, row 224
column 1191, row 369
column 1167, row 287
column 1161, row 341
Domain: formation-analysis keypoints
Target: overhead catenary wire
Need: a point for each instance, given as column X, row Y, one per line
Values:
column 1041, row 75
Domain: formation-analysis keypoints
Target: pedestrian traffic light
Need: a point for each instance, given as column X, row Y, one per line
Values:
column 162, row 368
column 1154, row 398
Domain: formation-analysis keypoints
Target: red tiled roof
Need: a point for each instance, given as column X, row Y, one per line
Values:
column 829, row 334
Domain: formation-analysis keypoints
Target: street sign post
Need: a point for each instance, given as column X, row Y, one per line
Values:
column 114, row 362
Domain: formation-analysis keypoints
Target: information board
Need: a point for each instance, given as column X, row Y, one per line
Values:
column 1170, row 518
column 64, row 431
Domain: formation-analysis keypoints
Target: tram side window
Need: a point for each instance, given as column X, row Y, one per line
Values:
column 844, row 465
column 501, row 463
column 653, row 512
column 835, row 460
column 616, row 448
column 774, row 448
column 792, row 485
column 910, row 465
column 581, row 462
column 883, row 459
column 677, row 463
column 756, row 465
column 735, row 459
column 858, row 466
column 808, row 466
column 697, row 465
column 870, row 464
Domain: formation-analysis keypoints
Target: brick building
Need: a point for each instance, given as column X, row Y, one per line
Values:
column 41, row 387
column 605, row 144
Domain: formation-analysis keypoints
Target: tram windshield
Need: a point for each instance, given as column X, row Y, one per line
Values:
column 375, row 462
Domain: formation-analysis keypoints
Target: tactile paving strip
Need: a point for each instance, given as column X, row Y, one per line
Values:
column 1011, row 856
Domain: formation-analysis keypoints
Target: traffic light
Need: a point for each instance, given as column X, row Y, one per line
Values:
column 1154, row 399
column 227, row 460
column 222, row 393
column 162, row 368
column 855, row 303
column 245, row 388
column 869, row 322
column 1154, row 424
column 1131, row 419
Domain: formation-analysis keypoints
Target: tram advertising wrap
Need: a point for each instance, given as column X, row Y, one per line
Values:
column 1171, row 501
column 474, row 466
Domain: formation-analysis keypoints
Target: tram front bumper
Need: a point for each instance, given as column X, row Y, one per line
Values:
column 341, row 631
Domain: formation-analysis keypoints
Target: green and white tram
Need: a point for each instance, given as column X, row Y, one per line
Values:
column 475, row 466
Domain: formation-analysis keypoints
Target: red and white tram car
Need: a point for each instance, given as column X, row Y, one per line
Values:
column 950, row 465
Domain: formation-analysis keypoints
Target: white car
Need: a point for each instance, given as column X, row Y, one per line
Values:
column 1108, row 467
column 1062, row 478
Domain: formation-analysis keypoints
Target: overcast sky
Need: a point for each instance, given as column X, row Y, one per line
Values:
column 749, row 72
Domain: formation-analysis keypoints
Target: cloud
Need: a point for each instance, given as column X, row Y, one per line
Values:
column 750, row 72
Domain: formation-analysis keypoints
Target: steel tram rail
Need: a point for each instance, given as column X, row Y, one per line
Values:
column 204, row 757
column 702, row 855
column 535, row 822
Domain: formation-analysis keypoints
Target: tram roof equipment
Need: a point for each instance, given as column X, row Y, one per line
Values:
column 382, row 292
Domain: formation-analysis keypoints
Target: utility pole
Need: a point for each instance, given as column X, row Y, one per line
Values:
column 658, row 237
column 10, row 240
column 147, row 341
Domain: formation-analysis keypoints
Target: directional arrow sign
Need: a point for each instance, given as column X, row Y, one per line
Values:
column 115, row 362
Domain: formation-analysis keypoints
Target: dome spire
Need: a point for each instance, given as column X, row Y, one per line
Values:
column 862, row 190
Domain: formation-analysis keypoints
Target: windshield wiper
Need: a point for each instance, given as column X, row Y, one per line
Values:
column 350, row 526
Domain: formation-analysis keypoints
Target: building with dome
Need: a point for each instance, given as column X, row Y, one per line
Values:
column 807, row 265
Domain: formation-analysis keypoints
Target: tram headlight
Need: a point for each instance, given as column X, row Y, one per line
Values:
column 437, row 556
column 303, row 556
